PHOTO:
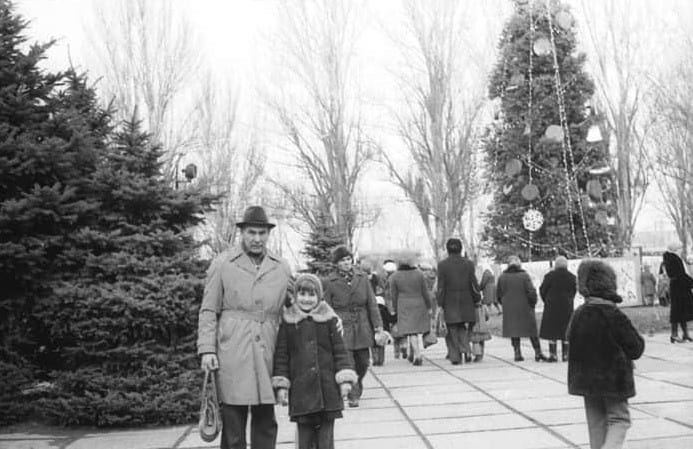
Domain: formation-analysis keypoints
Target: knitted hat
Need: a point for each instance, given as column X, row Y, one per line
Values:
column 311, row 281
column 340, row 253
column 598, row 279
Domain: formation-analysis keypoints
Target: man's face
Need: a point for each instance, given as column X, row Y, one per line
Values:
column 255, row 239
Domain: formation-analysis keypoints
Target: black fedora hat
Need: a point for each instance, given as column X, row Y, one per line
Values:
column 255, row 216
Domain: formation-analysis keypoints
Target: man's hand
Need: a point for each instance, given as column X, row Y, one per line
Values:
column 283, row 396
column 344, row 389
column 210, row 362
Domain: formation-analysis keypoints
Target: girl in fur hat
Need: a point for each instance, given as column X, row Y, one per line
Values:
column 603, row 344
column 312, row 369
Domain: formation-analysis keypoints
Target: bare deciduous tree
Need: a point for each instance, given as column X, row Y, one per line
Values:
column 232, row 161
column 672, row 109
column 147, row 52
column 439, row 125
column 617, row 50
column 318, row 111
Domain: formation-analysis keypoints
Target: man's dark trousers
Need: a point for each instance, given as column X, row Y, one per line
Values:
column 263, row 426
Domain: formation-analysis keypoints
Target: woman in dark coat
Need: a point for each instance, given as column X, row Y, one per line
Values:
column 680, row 285
column 349, row 293
column 411, row 300
column 518, row 297
column 557, row 290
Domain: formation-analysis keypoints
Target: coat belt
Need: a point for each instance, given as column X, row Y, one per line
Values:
column 252, row 315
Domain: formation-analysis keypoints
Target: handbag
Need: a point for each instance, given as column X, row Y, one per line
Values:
column 429, row 339
column 210, row 416
column 440, row 327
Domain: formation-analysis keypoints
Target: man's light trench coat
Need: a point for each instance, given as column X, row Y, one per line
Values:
column 238, row 321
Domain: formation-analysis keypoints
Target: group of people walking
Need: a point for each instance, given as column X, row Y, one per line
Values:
column 307, row 341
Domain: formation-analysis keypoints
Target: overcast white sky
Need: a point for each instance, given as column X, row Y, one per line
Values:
column 233, row 41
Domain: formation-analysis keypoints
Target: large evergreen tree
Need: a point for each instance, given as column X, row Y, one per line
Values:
column 100, row 274
column 574, row 187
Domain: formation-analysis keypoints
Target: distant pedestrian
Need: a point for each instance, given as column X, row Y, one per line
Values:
column 603, row 344
column 663, row 287
column 378, row 351
column 458, row 293
column 648, row 286
column 312, row 369
column 399, row 343
column 519, row 297
column 349, row 293
column 412, row 303
column 557, row 290
column 680, row 285
column 480, row 332
column 487, row 285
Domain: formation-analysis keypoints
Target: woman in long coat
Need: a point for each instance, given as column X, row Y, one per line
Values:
column 411, row 300
column 557, row 290
column 680, row 285
column 349, row 293
column 518, row 297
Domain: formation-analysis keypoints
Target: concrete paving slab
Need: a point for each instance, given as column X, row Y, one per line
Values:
column 486, row 409
column 678, row 377
column 413, row 442
column 642, row 429
column 534, row 438
column 381, row 415
column 685, row 442
column 348, row 430
column 416, row 379
column 681, row 411
column 141, row 439
column 473, row 424
column 457, row 387
column 31, row 444
column 442, row 398
column 527, row 405
column 367, row 402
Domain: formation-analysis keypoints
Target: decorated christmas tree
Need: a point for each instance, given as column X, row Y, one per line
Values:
column 547, row 161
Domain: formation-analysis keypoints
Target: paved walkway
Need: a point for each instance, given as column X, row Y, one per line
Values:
column 497, row 403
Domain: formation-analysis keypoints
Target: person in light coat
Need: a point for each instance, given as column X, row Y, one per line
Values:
column 245, row 290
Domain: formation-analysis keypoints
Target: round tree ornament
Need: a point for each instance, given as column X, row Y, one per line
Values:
column 513, row 167
column 554, row 132
column 532, row 220
column 593, row 134
column 530, row 192
column 542, row 46
column 564, row 20
column 594, row 189
column 602, row 218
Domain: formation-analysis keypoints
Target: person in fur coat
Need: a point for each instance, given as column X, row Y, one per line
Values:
column 312, row 368
column 603, row 344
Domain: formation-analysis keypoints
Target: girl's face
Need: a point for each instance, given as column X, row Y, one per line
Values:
column 345, row 263
column 306, row 300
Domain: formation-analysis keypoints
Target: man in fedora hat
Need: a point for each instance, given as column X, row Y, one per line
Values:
column 245, row 289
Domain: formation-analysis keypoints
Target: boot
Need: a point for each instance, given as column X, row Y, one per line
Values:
column 564, row 351
column 538, row 356
column 516, row 349
column 552, row 353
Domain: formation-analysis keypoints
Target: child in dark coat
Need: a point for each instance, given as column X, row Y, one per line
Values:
column 603, row 344
column 312, row 369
